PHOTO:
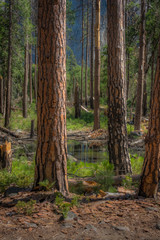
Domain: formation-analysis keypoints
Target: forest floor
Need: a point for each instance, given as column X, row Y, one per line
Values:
column 100, row 218
column 96, row 220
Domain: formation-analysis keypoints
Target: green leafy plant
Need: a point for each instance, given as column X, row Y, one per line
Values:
column 47, row 186
column 127, row 182
column 64, row 207
column 26, row 208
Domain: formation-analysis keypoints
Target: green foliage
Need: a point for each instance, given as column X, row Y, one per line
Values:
column 64, row 207
column 85, row 121
column 127, row 182
column 137, row 163
column 47, row 185
column 18, row 122
column 22, row 174
column 104, row 175
column 26, row 208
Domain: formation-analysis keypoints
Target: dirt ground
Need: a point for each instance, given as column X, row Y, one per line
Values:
column 97, row 220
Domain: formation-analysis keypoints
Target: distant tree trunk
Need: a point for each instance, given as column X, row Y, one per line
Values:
column 97, row 67
column 127, row 52
column 35, row 75
column 118, row 141
column 77, row 102
column 25, row 85
column 152, row 79
column 86, row 70
column 9, row 70
column 91, row 56
column 149, row 181
column 30, row 73
column 51, row 156
column 82, row 52
column 2, row 96
column 141, row 73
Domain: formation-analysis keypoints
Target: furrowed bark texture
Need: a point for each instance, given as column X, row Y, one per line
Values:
column 97, row 67
column 149, row 180
column 51, row 156
column 118, row 141
column 138, row 111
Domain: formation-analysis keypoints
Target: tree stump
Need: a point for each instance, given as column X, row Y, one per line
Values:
column 5, row 156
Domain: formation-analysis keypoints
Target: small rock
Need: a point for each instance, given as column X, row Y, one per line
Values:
column 10, row 214
column 121, row 228
column 31, row 225
column 151, row 209
column 90, row 227
column 71, row 216
column 158, row 225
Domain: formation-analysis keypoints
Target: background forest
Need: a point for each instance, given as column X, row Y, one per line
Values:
column 19, row 67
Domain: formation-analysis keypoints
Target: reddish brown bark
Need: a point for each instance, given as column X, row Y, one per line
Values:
column 118, row 141
column 51, row 156
column 149, row 180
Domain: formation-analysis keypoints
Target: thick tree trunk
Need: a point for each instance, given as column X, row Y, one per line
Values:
column 30, row 74
column 152, row 80
column 86, row 70
column 25, row 85
column 9, row 70
column 51, row 156
column 82, row 52
column 141, row 73
column 118, row 141
column 97, row 67
column 149, row 180
column 91, row 57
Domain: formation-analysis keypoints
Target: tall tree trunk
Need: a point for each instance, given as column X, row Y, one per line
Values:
column 35, row 75
column 1, row 96
column 86, row 70
column 141, row 73
column 82, row 52
column 118, row 141
column 25, row 85
column 149, row 181
column 97, row 67
column 91, row 57
column 9, row 70
column 51, row 156
column 152, row 80
column 30, row 74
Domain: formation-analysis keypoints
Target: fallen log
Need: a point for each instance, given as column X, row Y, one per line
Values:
column 85, row 109
column 5, row 130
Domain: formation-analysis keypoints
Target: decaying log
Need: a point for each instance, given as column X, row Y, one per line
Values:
column 85, row 109
column 5, row 130
column 5, row 156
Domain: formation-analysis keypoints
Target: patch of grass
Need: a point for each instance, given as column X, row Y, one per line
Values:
column 22, row 174
column 137, row 163
column 86, row 120
column 18, row 122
